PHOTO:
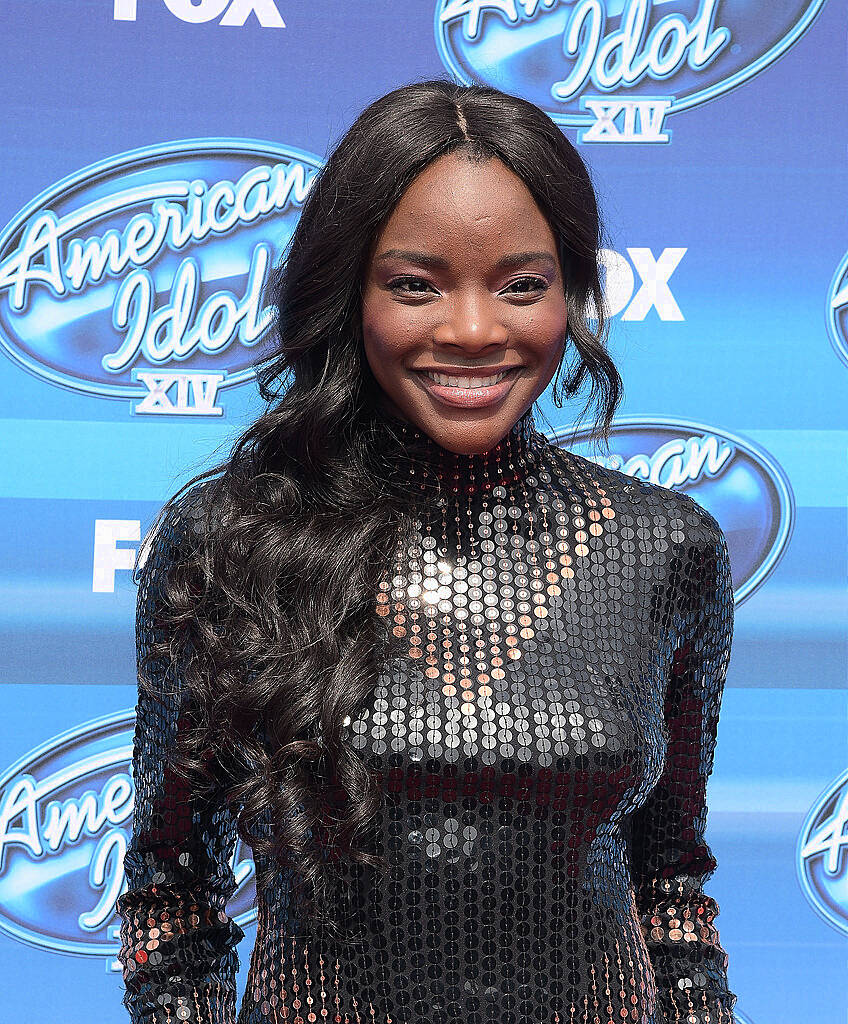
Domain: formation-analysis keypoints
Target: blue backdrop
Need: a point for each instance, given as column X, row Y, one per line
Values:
column 155, row 156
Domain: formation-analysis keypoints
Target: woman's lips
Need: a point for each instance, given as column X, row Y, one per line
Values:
column 467, row 397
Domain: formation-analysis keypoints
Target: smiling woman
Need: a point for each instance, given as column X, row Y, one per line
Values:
column 464, row 306
column 455, row 685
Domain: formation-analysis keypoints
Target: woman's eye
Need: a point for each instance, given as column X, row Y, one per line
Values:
column 405, row 284
column 533, row 284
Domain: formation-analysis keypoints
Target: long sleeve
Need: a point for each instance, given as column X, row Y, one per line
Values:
column 178, row 946
column 671, row 858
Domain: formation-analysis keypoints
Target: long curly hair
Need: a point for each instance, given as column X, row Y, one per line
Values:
column 274, row 599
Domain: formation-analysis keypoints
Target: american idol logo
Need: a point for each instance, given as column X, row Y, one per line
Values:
column 616, row 68
column 65, row 820
column 822, row 856
column 740, row 484
column 836, row 312
column 141, row 277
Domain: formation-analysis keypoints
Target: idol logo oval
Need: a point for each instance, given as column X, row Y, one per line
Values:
column 739, row 483
column 616, row 68
column 65, row 821
column 836, row 311
column 822, row 855
column 141, row 277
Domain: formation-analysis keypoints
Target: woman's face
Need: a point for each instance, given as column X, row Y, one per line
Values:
column 464, row 313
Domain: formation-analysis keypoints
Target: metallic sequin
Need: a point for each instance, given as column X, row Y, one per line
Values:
column 544, row 738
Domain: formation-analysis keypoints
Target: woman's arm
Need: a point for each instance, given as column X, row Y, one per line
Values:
column 178, row 946
column 671, row 858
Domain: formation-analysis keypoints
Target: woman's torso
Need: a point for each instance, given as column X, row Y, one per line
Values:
column 507, row 780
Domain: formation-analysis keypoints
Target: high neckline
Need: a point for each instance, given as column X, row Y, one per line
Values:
column 435, row 472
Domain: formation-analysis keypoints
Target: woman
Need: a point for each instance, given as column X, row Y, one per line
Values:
column 456, row 686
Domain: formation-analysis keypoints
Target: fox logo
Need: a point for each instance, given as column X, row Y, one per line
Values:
column 235, row 12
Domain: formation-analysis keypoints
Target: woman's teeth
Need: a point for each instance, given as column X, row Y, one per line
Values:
column 466, row 382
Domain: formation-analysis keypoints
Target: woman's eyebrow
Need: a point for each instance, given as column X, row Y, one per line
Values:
column 424, row 259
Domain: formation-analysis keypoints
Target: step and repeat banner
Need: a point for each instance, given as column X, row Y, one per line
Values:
column 155, row 157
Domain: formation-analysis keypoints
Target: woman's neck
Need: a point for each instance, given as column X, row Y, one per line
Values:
column 434, row 469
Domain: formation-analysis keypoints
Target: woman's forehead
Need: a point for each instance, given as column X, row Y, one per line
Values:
column 455, row 203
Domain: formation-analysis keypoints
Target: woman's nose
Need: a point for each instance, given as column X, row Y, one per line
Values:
column 472, row 324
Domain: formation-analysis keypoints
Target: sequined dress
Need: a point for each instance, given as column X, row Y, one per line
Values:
column 543, row 742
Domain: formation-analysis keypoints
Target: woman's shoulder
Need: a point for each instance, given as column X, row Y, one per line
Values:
column 177, row 526
column 635, row 496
